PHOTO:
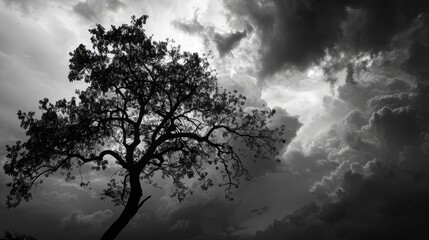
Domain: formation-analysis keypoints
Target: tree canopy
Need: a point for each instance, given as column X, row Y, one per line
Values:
column 12, row 234
column 149, row 107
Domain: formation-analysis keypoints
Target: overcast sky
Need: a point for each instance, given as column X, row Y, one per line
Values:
column 348, row 79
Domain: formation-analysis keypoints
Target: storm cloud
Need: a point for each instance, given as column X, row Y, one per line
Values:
column 377, row 153
column 375, row 208
column 298, row 34
column 374, row 163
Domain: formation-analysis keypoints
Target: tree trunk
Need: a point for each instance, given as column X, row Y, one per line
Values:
column 129, row 211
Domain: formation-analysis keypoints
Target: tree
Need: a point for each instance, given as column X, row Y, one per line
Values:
column 11, row 234
column 149, row 107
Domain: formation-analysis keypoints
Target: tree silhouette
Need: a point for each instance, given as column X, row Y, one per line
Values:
column 148, row 107
column 12, row 234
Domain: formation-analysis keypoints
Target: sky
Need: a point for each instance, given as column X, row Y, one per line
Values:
column 348, row 78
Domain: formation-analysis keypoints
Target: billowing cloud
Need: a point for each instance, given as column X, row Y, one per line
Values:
column 378, row 188
column 359, row 93
column 386, row 126
column 374, row 164
column 300, row 33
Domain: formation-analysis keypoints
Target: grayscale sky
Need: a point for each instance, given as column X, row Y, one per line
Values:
column 348, row 78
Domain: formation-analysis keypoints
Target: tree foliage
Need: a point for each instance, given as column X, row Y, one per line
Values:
column 11, row 234
column 149, row 107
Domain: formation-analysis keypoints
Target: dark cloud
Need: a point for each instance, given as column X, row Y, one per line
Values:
column 205, row 221
column 379, row 207
column 59, row 197
column 292, row 32
column 259, row 211
column 418, row 51
column 224, row 43
column 391, row 120
column 392, row 101
column 358, row 93
column 299, row 33
column 85, row 226
column 179, row 225
column 93, row 10
column 194, row 219
column 397, row 127
column 386, row 199
column 372, row 25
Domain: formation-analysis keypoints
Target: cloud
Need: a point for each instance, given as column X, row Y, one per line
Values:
column 418, row 58
column 360, row 92
column 374, row 166
column 259, row 167
column 379, row 207
column 208, row 215
column 85, row 226
column 224, row 42
column 297, row 34
column 59, row 197
column 180, row 225
column 32, row 64
column 25, row 6
column 394, row 128
column 94, row 10
column 386, row 198
column 390, row 122
column 293, row 33
column 79, row 218
column 114, row 5
column 248, row 87
column 197, row 217
column 259, row 211
column 190, row 26
column 244, row 84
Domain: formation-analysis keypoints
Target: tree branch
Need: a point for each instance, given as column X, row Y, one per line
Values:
column 100, row 157
column 144, row 200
